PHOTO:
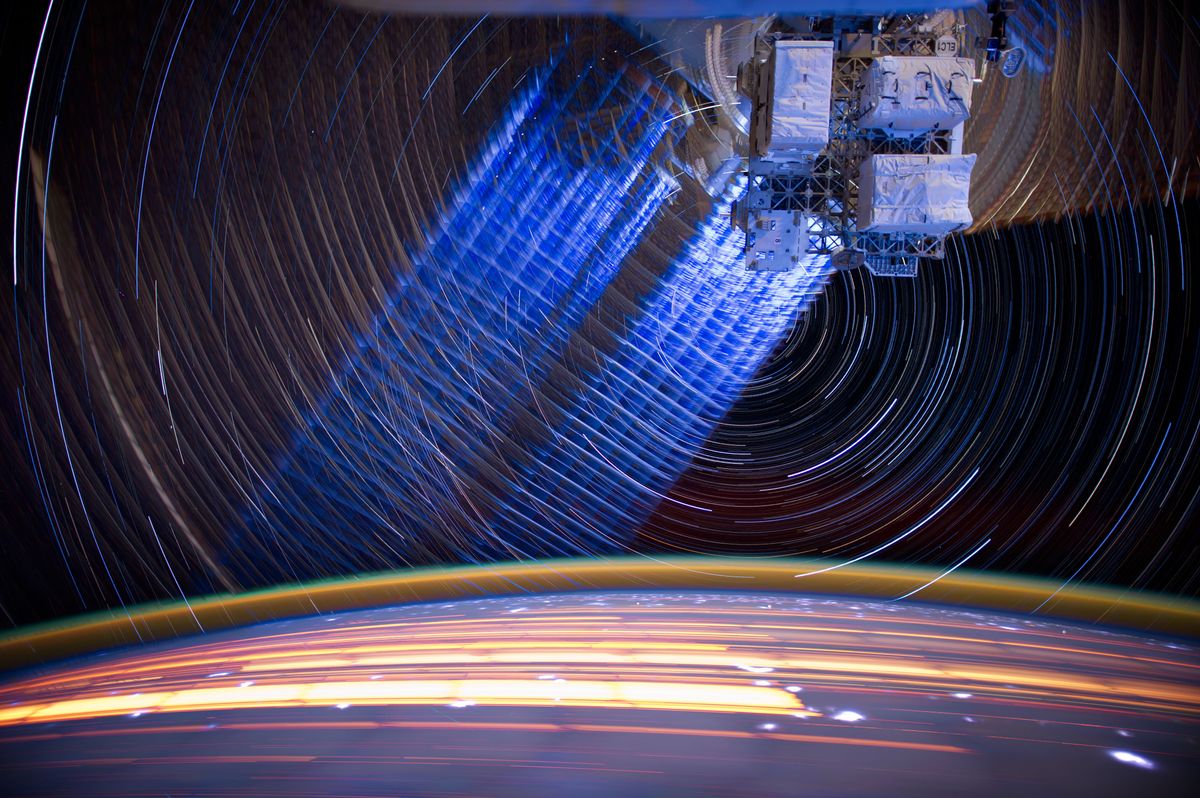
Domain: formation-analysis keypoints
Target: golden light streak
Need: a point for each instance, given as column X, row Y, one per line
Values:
column 496, row 692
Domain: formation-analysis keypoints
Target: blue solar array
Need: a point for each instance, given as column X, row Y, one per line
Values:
column 537, row 378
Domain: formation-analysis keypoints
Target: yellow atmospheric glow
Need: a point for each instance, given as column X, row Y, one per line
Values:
column 77, row 636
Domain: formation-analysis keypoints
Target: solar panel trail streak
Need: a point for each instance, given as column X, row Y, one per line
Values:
column 546, row 367
column 641, row 415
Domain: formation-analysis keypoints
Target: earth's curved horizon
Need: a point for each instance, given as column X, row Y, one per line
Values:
column 657, row 690
column 1079, row 601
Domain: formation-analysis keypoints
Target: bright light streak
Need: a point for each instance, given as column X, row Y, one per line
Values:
column 1130, row 758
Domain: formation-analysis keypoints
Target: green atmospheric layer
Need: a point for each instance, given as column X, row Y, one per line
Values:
column 1131, row 609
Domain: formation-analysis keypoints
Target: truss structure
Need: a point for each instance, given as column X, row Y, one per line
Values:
column 826, row 188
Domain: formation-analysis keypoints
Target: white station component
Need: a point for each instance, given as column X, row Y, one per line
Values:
column 909, row 95
column 802, row 81
column 922, row 194
column 854, row 157
column 775, row 240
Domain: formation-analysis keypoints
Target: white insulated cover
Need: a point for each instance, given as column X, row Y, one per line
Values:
column 803, row 81
column 925, row 194
column 912, row 94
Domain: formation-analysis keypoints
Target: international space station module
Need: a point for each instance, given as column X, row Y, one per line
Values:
column 855, row 141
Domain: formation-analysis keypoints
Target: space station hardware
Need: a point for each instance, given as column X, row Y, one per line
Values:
column 997, row 42
column 910, row 96
column 801, row 78
column 855, row 141
column 996, row 46
column 776, row 240
column 915, row 194
column 790, row 127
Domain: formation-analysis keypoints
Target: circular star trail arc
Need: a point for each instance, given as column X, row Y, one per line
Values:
column 1054, row 360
